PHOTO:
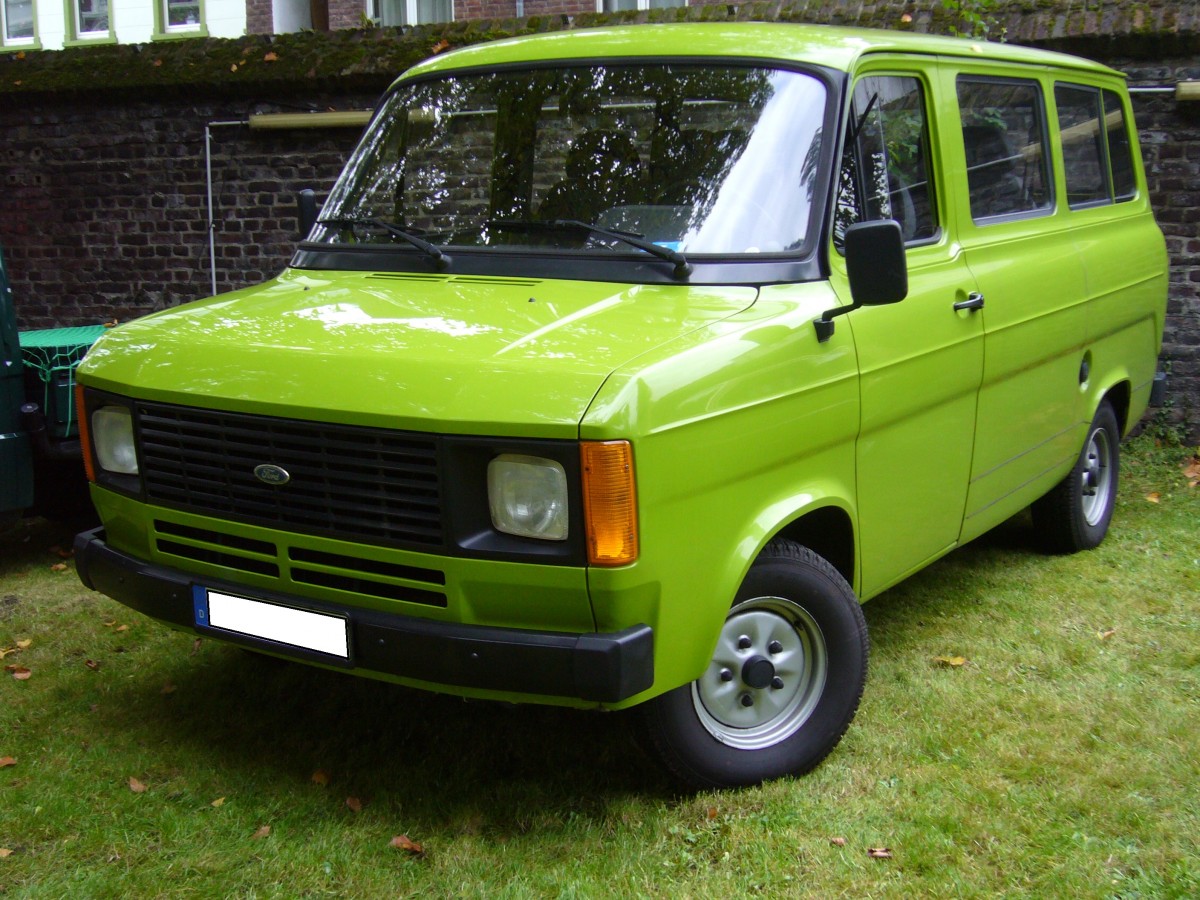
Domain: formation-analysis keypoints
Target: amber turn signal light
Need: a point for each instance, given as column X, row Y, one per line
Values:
column 609, row 502
column 85, row 433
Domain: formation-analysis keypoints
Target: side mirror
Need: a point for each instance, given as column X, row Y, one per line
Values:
column 306, row 211
column 877, row 269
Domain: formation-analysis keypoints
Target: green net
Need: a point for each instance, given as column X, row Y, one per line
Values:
column 52, row 355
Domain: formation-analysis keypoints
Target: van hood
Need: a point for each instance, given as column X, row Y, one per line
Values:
column 461, row 354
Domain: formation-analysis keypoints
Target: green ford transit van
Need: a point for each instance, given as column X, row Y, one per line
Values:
column 621, row 365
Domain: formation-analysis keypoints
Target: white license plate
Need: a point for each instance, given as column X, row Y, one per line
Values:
column 271, row 622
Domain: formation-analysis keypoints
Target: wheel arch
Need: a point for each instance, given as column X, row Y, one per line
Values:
column 1120, row 396
column 828, row 531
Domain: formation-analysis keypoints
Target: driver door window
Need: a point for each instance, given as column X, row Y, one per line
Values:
column 885, row 172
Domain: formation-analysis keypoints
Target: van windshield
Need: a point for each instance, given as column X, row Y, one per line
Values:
column 702, row 160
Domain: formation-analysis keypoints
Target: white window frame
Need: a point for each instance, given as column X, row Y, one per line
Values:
column 77, row 32
column 164, row 8
column 375, row 13
column 5, row 40
column 642, row 5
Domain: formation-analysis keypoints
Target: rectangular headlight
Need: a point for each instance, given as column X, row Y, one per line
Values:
column 112, row 438
column 527, row 496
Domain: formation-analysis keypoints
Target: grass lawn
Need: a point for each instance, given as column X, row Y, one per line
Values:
column 1059, row 759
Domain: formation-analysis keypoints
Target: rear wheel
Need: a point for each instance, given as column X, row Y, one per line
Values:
column 784, row 682
column 1075, row 514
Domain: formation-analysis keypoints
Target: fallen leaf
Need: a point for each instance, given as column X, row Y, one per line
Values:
column 321, row 777
column 5, row 853
column 354, row 804
column 121, row 628
column 196, row 646
column 109, row 623
column 879, row 853
column 1191, row 471
column 168, row 688
column 404, row 842
column 21, row 55
column 1105, row 635
column 218, row 803
column 906, row 18
column 58, row 567
column 19, row 672
column 25, row 644
column 7, row 761
column 61, row 553
column 838, row 841
column 233, row 68
column 92, row 664
column 270, row 57
column 711, row 813
column 952, row 662
column 4, row 651
column 262, row 832
column 157, row 63
column 439, row 46
column 1154, row 496
column 136, row 786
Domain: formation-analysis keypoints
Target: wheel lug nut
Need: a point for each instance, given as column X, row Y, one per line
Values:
column 744, row 642
column 727, row 675
column 774, row 647
column 747, row 700
column 777, row 683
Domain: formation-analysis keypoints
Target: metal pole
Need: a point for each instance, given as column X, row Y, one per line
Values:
column 208, row 182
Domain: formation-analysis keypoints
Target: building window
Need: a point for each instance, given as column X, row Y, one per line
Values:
column 630, row 5
column 89, row 19
column 181, row 15
column 16, row 16
column 410, row 12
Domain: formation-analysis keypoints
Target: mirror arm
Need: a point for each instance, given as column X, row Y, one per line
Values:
column 825, row 324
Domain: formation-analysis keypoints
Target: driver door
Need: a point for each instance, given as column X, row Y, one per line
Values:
column 920, row 360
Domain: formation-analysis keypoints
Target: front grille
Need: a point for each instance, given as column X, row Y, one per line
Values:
column 305, row 566
column 365, row 484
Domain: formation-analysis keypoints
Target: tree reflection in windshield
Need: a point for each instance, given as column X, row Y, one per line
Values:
column 704, row 160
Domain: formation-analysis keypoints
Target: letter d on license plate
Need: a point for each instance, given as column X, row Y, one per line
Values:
column 297, row 628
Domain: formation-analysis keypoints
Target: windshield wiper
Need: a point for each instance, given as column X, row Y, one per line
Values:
column 432, row 253
column 683, row 268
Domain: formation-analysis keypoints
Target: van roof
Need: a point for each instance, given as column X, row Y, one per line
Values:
column 835, row 48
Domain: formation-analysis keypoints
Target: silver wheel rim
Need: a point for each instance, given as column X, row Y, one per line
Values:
column 1095, row 477
column 766, row 676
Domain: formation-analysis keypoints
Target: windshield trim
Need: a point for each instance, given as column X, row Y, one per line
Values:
column 803, row 263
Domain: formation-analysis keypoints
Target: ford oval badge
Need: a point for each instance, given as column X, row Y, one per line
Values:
column 270, row 474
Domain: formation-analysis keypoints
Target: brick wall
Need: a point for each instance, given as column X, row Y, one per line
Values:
column 1170, row 133
column 259, row 17
column 104, row 206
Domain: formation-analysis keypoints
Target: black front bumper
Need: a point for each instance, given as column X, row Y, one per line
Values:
column 604, row 668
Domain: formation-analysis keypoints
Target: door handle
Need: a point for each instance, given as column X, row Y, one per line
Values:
column 974, row 301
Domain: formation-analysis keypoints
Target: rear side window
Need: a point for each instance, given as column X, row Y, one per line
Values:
column 885, row 170
column 1120, row 148
column 1004, row 134
column 1096, row 149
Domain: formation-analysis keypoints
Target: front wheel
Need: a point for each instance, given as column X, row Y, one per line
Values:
column 1075, row 514
column 784, row 682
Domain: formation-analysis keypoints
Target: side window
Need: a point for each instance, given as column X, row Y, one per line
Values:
column 16, row 23
column 885, row 171
column 1004, row 133
column 1120, row 149
column 1083, row 144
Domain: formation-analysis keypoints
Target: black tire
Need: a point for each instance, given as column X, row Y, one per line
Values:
column 1075, row 514
column 795, row 646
